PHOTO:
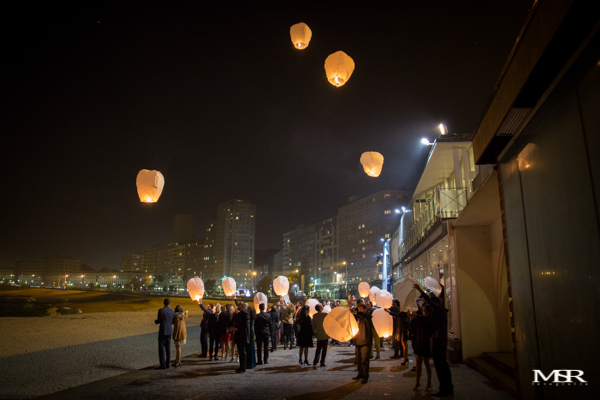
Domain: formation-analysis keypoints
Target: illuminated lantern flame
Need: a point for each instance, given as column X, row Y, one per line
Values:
column 340, row 324
column 312, row 303
column 260, row 298
column 301, row 35
column 150, row 185
column 372, row 293
column 372, row 163
column 281, row 285
column 383, row 323
column 228, row 286
column 339, row 67
column 195, row 288
column 384, row 299
column 363, row 289
column 525, row 157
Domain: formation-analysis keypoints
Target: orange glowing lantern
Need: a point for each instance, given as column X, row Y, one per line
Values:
column 301, row 35
column 281, row 285
column 228, row 286
column 149, row 185
column 383, row 323
column 260, row 298
column 339, row 67
column 363, row 289
column 384, row 299
column 372, row 163
column 195, row 288
column 312, row 303
column 340, row 324
column 373, row 293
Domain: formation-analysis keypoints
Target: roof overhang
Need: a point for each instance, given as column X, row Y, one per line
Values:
column 440, row 164
column 484, row 206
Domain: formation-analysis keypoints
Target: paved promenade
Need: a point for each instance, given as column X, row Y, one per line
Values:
column 282, row 378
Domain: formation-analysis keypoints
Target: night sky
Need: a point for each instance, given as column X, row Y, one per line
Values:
column 214, row 95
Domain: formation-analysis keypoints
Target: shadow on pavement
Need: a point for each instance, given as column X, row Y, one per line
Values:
column 333, row 394
column 201, row 373
column 287, row 369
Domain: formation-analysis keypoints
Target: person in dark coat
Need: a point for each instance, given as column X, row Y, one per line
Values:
column 165, row 330
column 305, row 333
column 251, row 348
column 241, row 326
column 274, row 328
column 214, row 338
column 204, row 328
column 420, row 336
column 400, row 334
column 223, row 325
column 364, row 342
column 321, row 335
column 280, row 333
column 438, row 327
column 262, row 326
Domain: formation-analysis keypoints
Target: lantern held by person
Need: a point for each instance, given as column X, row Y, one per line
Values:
column 195, row 287
column 312, row 303
column 260, row 298
column 407, row 294
column 339, row 67
column 372, row 293
column 149, row 185
column 327, row 309
column 433, row 285
column 286, row 299
column 384, row 299
column 383, row 323
column 281, row 285
column 363, row 289
column 228, row 286
column 372, row 163
column 300, row 34
column 340, row 324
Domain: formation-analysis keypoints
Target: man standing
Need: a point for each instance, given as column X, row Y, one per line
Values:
column 288, row 323
column 242, row 338
column 364, row 342
column 165, row 330
column 204, row 328
column 262, row 327
column 322, row 337
column 212, row 328
column 400, row 333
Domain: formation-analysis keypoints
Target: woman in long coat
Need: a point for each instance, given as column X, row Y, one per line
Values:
column 179, row 333
column 305, row 334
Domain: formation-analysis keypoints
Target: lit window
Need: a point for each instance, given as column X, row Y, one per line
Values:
column 387, row 212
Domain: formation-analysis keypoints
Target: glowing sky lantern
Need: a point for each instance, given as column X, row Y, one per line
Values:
column 312, row 303
column 281, row 285
column 300, row 34
column 340, row 324
column 149, row 185
column 195, row 288
column 327, row 309
column 433, row 285
column 372, row 163
column 383, row 323
column 286, row 299
column 384, row 299
column 407, row 294
column 228, row 286
column 339, row 67
column 363, row 289
column 260, row 298
column 372, row 293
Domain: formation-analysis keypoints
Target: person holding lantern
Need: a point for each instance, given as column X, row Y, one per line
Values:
column 213, row 333
column 288, row 326
column 364, row 342
column 179, row 333
column 274, row 327
column 400, row 336
column 204, row 328
column 223, row 324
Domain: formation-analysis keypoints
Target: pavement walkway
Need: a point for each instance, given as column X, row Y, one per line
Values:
column 282, row 378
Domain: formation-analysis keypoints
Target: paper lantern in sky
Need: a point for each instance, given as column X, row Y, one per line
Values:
column 339, row 67
column 327, row 309
column 300, row 34
column 407, row 294
column 258, row 299
column 433, row 285
column 384, row 299
column 228, row 286
column 372, row 293
column 150, row 185
column 363, row 289
column 312, row 303
column 195, row 287
column 372, row 163
column 340, row 324
column 281, row 285
column 383, row 323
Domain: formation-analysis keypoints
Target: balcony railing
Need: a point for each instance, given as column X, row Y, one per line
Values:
column 444, row 204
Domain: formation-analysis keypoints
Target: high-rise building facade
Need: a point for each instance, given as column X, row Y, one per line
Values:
column 208, row 265
column 234, row 240
column 132, row 262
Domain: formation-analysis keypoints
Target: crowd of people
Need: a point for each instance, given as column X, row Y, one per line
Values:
column 246, row 336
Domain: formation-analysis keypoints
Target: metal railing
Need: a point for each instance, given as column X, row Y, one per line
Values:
column 444, row 204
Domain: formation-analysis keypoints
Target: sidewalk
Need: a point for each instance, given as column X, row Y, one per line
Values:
column 282, row 378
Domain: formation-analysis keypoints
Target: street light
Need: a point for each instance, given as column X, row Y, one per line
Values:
column 427, row 142
column 443, row 129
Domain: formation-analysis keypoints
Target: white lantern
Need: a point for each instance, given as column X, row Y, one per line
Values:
column 407, row 294
column 228, row 286
column 339, row 67
column 383, row 323
column 312, row 303
column 260, row 298
column 301, row 35
column 281, row 285
column 363, row 289
column 340, row 324
column 286, row 299
column 195, row 288
column 372, row 163
column 149, row 185
column 327, row 309
column 384, row 299
column 433, row 285
column 372, row 293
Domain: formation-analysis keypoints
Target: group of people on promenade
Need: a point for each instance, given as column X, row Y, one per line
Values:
column 248, row 336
